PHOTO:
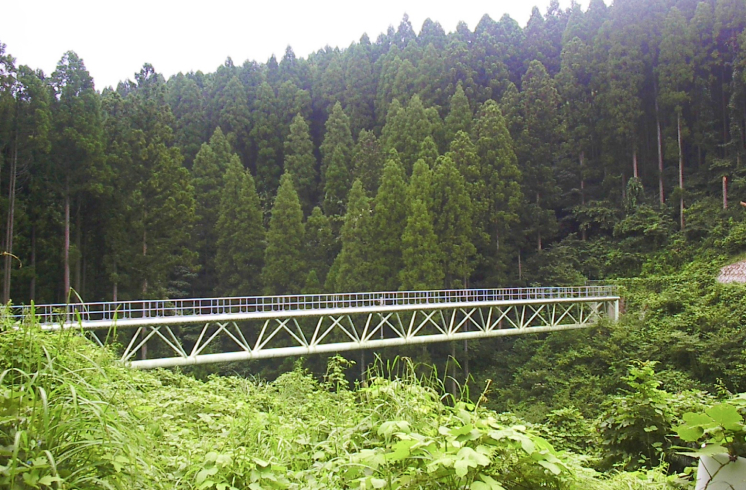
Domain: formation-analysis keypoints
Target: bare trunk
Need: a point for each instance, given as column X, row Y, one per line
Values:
column 583, row 233
column 582, row 177
column 66, row 247
column 681, row 172
column 725, row 110
column 660, row 156
column 538, row 225
column 725, row 192
column 520, row 269
column 635, row 173
column 115, row 292
column 11, row 220
column 144, row 254
column 32, row 287
column 79, row 248
column 144, row 349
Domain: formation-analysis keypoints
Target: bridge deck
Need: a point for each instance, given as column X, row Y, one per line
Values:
column 258, row 327
column 199, row 310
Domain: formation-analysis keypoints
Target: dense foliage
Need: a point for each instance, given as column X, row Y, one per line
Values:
column 609, row 132
column 70, row 418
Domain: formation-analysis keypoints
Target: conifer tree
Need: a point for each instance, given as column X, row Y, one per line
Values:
column 336, row 168
column 420, row 184
column 77, row 146
column 336, row 183
column 30, row 145
column 240, row 234
column 353, row 270
column 429, row 152
column 319, row 244
column 312, row 284
column 499, row 198
column 452, row 223
column 389, row 220
column 235, row 117
column 156, row 193
column 360, row 90
column 406, row 129
column 188, row 107
column 459, row 115
column 675, row 75
column 337, row 136
column 368, row 161
column 300, row 162
column 420, row 253
column 284, row 269
column 208, row 172
column 266, row 136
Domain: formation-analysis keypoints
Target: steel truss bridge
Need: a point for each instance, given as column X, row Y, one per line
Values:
column 183, row 332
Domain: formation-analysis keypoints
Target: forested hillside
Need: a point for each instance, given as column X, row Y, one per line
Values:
column 573, row 148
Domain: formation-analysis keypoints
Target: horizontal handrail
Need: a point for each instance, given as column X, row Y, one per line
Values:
column 117, row 310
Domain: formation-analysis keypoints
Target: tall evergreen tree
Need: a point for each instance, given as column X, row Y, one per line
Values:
column 459, row 115
column 368, row 161
column 235, row 117
column 452, row 223
column 675, row 76
column 156, row 193
column 267, row 139
column 498, row 199
column 301, row 163
column 77, row 147
column 284, row 269
column 353, row 265
column 240, row 234
column 420, row 253
column 389, row 220
column 29, row 145
column 319, row 247
column 208, row 173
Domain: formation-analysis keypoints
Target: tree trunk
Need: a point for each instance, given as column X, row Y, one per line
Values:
column 32, row 287
column 660, row 156
column 681, row 171
column 79, row 249
column 538, row 225
column 635, row 173
column 11, row 219
column 66, row 246
column 520, row 269
column 725, row 192
column 583, row 233
column 144, row 254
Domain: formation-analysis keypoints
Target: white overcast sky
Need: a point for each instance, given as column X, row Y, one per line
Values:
column 115, row 38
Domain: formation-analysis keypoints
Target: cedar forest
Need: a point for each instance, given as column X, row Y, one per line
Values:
column 603, row 144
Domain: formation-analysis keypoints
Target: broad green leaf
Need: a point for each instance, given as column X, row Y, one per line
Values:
column 689, row 433
column 491, row 482
column 461, row 467
column 203, row 474
column 551, row 467
column 726, row 415
column 49, row 479
column 708, row 450
column 378, row 482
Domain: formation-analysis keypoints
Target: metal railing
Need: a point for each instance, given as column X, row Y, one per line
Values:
column 204, row 307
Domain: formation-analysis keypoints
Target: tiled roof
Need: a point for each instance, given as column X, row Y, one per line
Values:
column 733, row 273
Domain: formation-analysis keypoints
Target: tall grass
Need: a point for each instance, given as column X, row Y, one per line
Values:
column 61, row 424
